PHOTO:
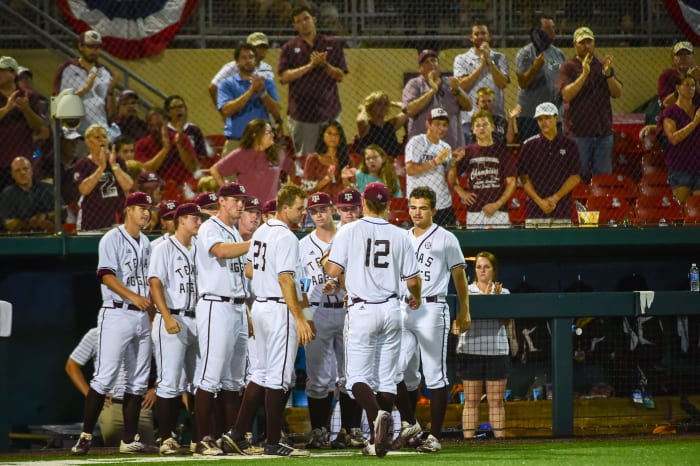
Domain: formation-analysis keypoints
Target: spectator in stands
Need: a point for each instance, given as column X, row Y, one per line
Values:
column 128, row 120
column 25, row 82
column 168, row 153
column 537, row 67
column 44, row 165
column 479, row 67
column 20, row 119
column 250, row 218
column 92, row 81
column 375, row 165
column 260, row 45
column 430, row 90
column 505, row 131
column 586, row 85
column 244, row 97
column 483, row 354
column 429, row 163
column 683, row 56
column 125, row 148
column 680, row 122
column 103, row 182
column 27, row 205
column 373, row 126
column 313, row 65
column 490, row 173
column 257, row 164
column 549, row 169
column 322, row 169
column 176, row 111
column 207, row 184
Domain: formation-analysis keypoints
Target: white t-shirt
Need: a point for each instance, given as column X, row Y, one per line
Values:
column 419, row 149
column 485, row 337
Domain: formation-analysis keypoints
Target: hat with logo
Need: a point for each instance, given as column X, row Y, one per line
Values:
column 348, row 197
column 546, row 108
column 148, row 179
column 188, row 208
column 233, row 190
column 167, row 209
column 376, row 192
column 438, row 113
column 91, row 37
column 8, row 63
column 583, row 33
column 269, row 206
column 425, row 54
column 318, row 199
column 682, row 45
column 138, row 198
column 207, row 200
column 257, row 38
column 252, row 203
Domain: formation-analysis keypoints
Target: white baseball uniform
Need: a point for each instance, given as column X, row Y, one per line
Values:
column 159, row 240
column 274, row 251
column 176, row 354
column 325, row 354
column 124, row 330
column 222, row 324
column 425, row 330
column 375, row 256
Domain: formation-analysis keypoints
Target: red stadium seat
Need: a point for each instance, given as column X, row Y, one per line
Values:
column 655, row 184
column 581, row 191
column 613, row 210
column 692, row 211
column 613, row 185
column 460, row 209
column 653, row 161
column 398, row 211
column 516, row 207
column 216, row 142
column 657, row 210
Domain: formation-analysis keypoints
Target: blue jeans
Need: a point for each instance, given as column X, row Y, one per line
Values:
column 596, row 155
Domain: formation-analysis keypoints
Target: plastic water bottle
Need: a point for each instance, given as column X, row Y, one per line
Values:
column 694, row 278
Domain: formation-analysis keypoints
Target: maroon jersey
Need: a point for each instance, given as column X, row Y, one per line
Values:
column 486, row 169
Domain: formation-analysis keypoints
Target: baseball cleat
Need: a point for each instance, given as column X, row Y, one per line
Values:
column 430, row 445
column 132, row 447
column 356, row 438
column 382, row 433
column 369, row 450
column 238, row 443
column 319, row 439
column 207, row 447
column 169, row 447
column 284, row 450
column 407, row 432
column 82, row 446
column 341, row 440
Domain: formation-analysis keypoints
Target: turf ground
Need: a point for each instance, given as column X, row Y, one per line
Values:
column 646, row 450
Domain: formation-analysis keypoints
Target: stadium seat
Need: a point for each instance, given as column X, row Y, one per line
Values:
column 654, row 184
column 581, row 191
column 657, row 210
column 613, row 210
column 398, row 212
column 692, row 211
column 460, row 209
column 613, row 185
column 216, row 142
column 653, row 161
column 628, row 162
column 516, row 207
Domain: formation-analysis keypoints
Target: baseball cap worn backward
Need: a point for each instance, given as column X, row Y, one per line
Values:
column 188, row 208
column 349, row 197
column 167, row 209
column 376, row 192
column 252, row 203
column 546, row 108
column 438, row 113
column 583, row 33
column 257, row 38
column 682, row 45
column 91, row 37
column 8, row 63
column 318, row 199
column 207, row 199
column 425, row 54
column 138, row 198
column 269, row 206
column 233, row 190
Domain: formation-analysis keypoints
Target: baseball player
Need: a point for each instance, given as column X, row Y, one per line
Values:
column 222, row 325
column 280, row 326
column 250, row 218
column 172, row 276
column 166, row 209
column 208, row 202
column 269, row 209
column 375, row 256
column 123, row 320
column 348, row 205
column 425, row 330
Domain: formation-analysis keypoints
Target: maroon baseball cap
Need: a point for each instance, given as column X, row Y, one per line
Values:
column 376, row 192
column 167, row 209
column 188, row 208
column 207, row 200
column 425, row 54
column 318, row 199
column 269, row 206
column 138, row 198
column 233, row 190
column 348, row 197
column 252, row 204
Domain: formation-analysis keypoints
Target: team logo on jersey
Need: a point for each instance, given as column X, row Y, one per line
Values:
column 562, row 152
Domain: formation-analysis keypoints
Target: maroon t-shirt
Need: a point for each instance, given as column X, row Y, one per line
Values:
column 103, row 207
column 313, row 98
column 683, row 156
column 172, row 168
column 667, row 85
column 486, row 169
column 132, row 126
column 15, row 132
column 549, row 164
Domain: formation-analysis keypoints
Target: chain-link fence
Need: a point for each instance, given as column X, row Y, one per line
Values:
column 384, row 66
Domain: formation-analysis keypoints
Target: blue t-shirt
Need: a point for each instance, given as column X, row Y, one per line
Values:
column 363, row 179
column 234, row 87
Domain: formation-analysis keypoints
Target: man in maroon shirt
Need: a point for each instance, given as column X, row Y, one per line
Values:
column 127, row 118
column 549, row 169
column 313, row 65
column 586, row 85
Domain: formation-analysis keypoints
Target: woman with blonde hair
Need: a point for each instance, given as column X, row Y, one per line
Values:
column 374, row 128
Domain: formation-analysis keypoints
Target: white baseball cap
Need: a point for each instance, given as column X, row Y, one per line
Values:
column 438, row 113
column 546, row 108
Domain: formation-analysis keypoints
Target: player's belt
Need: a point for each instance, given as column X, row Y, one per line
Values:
column 222, row 299
column 118, row 401
column 131, row 307
column 270, row 298
column 360, row 300
column 177, row 312
column 430, row 299
column 336, row 305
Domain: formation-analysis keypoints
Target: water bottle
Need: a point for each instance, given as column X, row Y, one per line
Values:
column 694, row 278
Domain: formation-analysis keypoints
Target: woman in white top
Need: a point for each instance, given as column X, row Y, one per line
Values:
column 483, row 354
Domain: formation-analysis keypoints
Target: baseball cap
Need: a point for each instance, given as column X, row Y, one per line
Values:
column 376, row 192
column 252, row 203
column 269, row 206
column 126, row 93
column 70, row 134
column 682, row 45
column 207, row 200
column 348, row 197
column 23, row 71
column 257, row 38
column 439, row 114
column 91, row 37
column 167, row 209
column 233, row 190
column 425, row 54
column 138, row 198
column 583, row 33
column 188, row 208
column 318, row 199
column 546, row 108
column 148, row 179
column 8, row 63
